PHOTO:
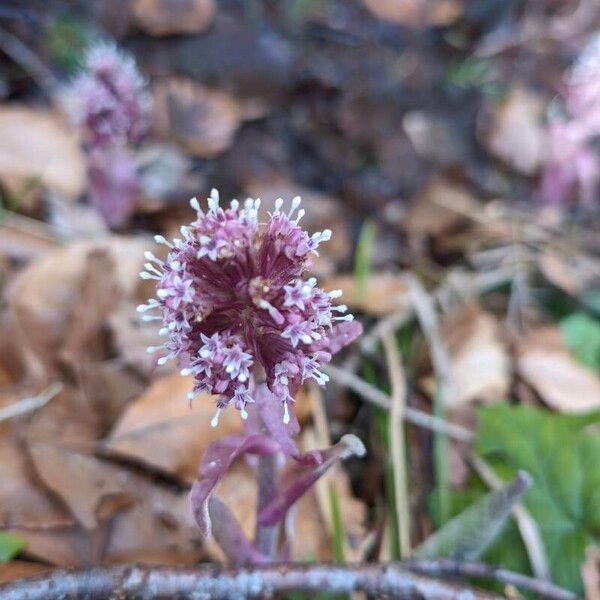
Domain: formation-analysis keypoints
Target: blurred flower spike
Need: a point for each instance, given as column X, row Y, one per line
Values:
column 236, row 309
column 109, row 103
column 109, row 100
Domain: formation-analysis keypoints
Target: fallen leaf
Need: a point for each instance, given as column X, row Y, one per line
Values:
column 168, row 17
column 91, row 489
column 384, row 293
column 439, row 206
column 416, row 13
column 46, row 296
column 563, row 383
column 161, row 430
column 37, row 145
column 203, row 120
column 19, row 569
column 479, row 363
column 516, row 133
column 573, row 274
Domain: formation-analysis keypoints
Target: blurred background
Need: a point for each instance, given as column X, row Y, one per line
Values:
column 452, row 147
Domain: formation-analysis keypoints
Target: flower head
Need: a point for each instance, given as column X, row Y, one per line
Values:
column 233, row 300
column 108, row 100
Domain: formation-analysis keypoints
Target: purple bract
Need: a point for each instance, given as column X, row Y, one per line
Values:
column 234, row 303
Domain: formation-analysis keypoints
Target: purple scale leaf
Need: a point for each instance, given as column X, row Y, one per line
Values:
column 217, row 460
column 299, row 478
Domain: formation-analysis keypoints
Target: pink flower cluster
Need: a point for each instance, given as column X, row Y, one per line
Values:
column 234, row 304
column 108, row 100
column 573, row 167
column 109, row 103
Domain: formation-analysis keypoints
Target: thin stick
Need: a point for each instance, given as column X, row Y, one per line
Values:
column 209, row 581
column 426, row 315
column 29, row 62
column 444, row 567
column 528, row 528
column 398, row 443
column 382, row 400
column 30, row 404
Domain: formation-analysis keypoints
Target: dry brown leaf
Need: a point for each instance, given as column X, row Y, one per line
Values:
column 516, row 133
column 90, row 488
column 58, row 546
column 18, row 569
column 131, row 336
column 562, row 382
column 573, row 274
column 479, row 362
column 167, row 17
column 384, row 294
column 44, row 298
column 439, row 207
column 37, row 145
column 22, row 501
column 160, row 428
column 590, row 573
column 203, row 120
column 416, row 13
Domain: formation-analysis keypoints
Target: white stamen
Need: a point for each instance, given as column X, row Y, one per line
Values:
column 175, row 265
column 321, row 236
column 152, row 318
column 186, row 372
column 161, row 239
column 301, row 214
column 146, row 275
column 153, row 349
column 341, row 308
column 149, row 256
column 163, row 360
column 312, row 281
column 306, row 339
column 335, row 293
column 295, row 204
column 213, row 201
column 215, row 420
column 286, row 413
column 196, row 205
column 163, row 293
column 152, row 303
column 278, row 205
column 344, row 318
column 242, row 378
column 163, row 331
column 234, row 204
column 243, row 413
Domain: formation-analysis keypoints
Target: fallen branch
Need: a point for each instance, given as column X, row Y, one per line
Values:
column 137, row 582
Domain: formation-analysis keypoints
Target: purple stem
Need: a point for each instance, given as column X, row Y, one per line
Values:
column 267, row 535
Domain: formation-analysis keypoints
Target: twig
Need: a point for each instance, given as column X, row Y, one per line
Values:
column 528, row 528
column 411, row 415
column 444, row 567
column 29, row 404
column 398, row 443
column 212, row 582
column 29, row 62
column 445, row 392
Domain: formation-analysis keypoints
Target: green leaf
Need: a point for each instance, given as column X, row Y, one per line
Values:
column 362, row 260
column 562, row 454
column 581, row 334
column 10, row 546
column 468, row 535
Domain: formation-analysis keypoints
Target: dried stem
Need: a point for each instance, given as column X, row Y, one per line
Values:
column 528, row 528
column 398, row 443
column 137, row 582
column 381, row 399
column 29, row 62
